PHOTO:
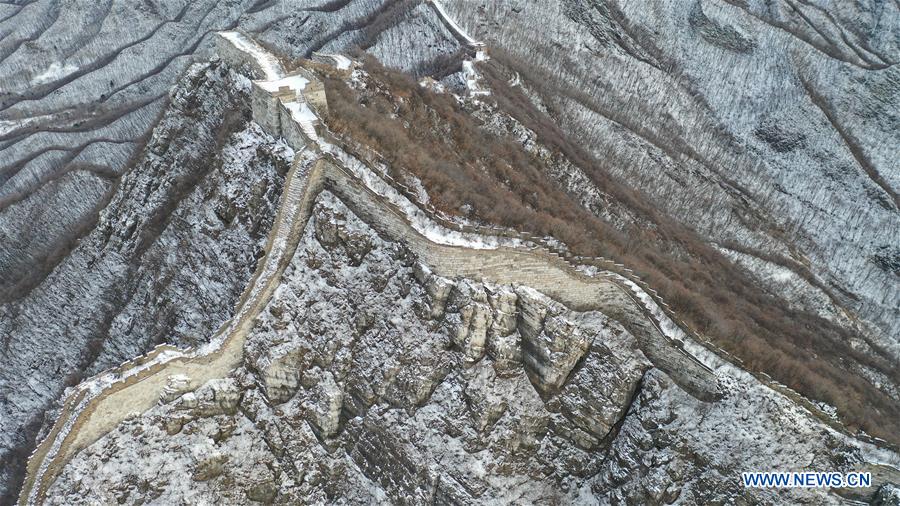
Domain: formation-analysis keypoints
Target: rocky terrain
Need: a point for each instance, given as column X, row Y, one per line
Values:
column 165, row 261
column 88, row 123
column 770, row 127
column 136, row 194
column 370, row 379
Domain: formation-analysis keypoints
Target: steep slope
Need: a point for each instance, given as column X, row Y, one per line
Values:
column 85, row 100
column 166, row 261
column 480, row 161
column 770, row 128
column 182, row 217
column 81, row 101
column 370, row 379
column 365, row 363
column 800, row 191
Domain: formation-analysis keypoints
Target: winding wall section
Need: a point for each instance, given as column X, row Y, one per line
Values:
column 502, row 256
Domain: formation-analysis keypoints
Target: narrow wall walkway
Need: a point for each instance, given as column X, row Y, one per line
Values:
column 98, row 405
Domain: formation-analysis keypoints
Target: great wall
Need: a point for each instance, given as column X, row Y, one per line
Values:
column 289, row 105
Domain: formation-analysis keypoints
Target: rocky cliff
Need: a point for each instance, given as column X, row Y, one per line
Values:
column 368, row 378
column 768, row 127
column 165, row 261
column 133, row 213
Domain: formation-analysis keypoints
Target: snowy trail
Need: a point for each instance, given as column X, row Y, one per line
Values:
column 267, row 62
column 458, row 30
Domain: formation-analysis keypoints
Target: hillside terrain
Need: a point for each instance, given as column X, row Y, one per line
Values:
column 722, row 173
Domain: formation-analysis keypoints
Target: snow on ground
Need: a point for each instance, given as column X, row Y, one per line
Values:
column 55, row 71
column 92, row 388
column 7, row 126
column 304, row 117
column 472, row 79
column 453, row 26
column 96, row 385
column 419, row 220
column 301, row 113
column 295, row 82
column 415, row 184
column 668, row 327
column 270, row 65
column 340, row 61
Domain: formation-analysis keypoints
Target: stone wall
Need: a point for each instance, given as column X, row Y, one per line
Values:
column 644, row 317
column 291, row 131
column 236, row 58
column 314, row 92
column 95, row 407
column 547, row 271
column 99, row 404
column 266, row 110
column 537, row 269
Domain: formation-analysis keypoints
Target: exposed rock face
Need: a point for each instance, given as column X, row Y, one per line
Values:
column 468, row 311
column 212, row 450
column 355, row 389
column 371, row 379
column 767, row 127
column 77, row 136
column 888, row 495
column 108, row 92
column 552, row 343
column 84, row 107
column 166, row 262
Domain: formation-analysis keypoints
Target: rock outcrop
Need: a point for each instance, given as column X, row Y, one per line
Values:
column 361, row 384
column 131, row 215
column 768, row 129
column 166, row 262
column 88, row 129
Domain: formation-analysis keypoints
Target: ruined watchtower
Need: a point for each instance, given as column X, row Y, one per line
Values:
column 285, row 104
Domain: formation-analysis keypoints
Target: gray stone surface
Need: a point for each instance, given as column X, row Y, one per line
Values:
column 82, row 87
column 388, row 407
column 771, row 128
column 165, row 262
column 768, row 127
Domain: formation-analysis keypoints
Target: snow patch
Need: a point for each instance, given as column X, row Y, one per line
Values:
column 472, row 79
column 295, row 82
column 419, row 220
column 301, row 113
column 55, row 71
column 269, row 64
column 341, row 62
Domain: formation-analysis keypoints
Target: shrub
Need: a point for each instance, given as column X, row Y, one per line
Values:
column 461, row 164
